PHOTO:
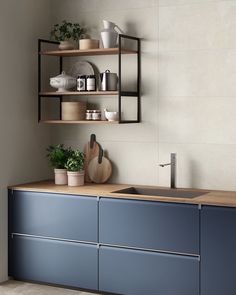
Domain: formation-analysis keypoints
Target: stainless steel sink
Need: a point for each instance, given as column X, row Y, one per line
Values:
column 172, row 193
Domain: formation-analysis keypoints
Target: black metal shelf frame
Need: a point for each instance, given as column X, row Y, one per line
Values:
column 121, row 93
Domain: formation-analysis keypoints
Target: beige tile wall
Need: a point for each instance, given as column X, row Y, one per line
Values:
column 188, row 84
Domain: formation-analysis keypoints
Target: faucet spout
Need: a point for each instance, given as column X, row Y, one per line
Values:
column 172, row 165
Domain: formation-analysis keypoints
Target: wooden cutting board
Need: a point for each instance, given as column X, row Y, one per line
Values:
column 91, row 150
column 99, row 168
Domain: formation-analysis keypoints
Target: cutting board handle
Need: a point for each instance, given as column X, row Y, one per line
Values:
column 92, row 140
column 100, row 155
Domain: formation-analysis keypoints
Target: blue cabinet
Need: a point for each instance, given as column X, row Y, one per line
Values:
column 135, row 272
column 54, row 215
column 56, row 262
column 149, row 225
column 218, row 251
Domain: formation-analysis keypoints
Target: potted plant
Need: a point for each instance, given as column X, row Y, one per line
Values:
column 65, row 32
column 75, row 165
column 58, row 156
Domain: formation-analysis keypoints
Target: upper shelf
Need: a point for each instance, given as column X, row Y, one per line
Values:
column 89, row 52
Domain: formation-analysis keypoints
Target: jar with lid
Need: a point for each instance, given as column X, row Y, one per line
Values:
column 81, row 83
column 91, row 83
column 96, row 115
column 89, row 115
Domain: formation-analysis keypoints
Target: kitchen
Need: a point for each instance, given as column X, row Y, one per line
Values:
column 187, row 101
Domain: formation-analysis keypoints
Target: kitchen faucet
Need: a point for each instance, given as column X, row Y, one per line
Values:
column 172, row 165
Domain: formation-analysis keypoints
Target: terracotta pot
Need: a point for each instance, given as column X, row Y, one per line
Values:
column 75, row 178
column 60, row 176
column 66, row 45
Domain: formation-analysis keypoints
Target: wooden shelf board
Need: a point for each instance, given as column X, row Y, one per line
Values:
column 76, row 93
column 98, row 51
column 77, row 122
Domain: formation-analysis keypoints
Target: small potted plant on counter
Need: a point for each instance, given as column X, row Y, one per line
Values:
column 67, row 32
column 58, row 156
column 75, row 165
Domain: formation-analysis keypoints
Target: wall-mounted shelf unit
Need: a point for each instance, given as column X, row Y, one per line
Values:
column 120, row 94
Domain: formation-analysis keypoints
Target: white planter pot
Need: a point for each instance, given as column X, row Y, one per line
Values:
column 75, row 178
column 60, row 176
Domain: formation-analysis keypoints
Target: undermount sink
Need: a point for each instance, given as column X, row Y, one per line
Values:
column 170, row 193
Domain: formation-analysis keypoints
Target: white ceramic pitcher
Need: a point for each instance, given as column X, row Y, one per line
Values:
column 109, row 34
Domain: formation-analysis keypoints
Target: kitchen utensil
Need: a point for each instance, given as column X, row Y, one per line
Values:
column 81, row 68
column 73, row 111
column 85, row 44
column 109, row 35
column 99, row 168
column 108, row 81
column 91, row 150
column 111, row 116
column 63, row 82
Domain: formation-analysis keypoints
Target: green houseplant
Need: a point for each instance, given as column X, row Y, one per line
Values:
column 58, row 156
column 75, row 165
column 65, row 32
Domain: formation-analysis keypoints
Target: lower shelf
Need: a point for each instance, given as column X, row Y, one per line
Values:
column 77, row 122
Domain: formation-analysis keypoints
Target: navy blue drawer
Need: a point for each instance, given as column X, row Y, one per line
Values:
column 55, row 262
column 54, row 215
column 150, row 225
column 135, row 272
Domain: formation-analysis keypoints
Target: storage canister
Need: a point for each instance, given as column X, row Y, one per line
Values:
column 89, row 115
column 96, row 115
column 81, row 83
column 73, row 111
column 91, row 83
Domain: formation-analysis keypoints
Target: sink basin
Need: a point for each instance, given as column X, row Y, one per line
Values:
column 170, row 193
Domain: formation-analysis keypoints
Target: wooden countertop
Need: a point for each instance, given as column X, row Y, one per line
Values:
column 217, row 198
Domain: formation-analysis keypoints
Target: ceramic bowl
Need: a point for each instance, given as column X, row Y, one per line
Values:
column 111, row 116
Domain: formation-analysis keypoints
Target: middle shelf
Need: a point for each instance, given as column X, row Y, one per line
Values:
column 76, row 93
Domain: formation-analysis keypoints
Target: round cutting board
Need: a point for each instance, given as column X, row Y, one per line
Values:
column 99, row 168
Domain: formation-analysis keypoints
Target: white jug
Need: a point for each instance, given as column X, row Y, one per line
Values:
column 109, row 34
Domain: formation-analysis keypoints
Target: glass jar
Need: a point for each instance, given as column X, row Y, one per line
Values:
column 96, row 115
column 81, row 83
column 89, row 115
column 91, row 83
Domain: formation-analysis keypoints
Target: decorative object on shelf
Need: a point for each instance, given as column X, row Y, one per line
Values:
column 65, row 32
column 81, row 83
column 108, row 81
column 75, row 166
column 81, row 68
column 109, row 35
column 96, row 115
column 91, row 84
column 73, row 110
column 89, row 115
column 63, row 82
column 111, row 116
column 99, row 168
column 85, row 44
column 91, row 150
column 58, row 156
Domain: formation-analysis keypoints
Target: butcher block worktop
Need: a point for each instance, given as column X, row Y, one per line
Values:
column 217, row 198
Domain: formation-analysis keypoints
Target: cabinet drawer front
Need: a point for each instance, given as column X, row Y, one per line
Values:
column 55, row 262
column 149, row 225
column 134, row 272
column 54, row 215
column 218, row 250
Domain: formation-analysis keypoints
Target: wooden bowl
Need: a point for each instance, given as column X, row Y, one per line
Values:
column 85, row 44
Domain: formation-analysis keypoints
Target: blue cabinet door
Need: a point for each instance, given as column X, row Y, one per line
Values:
column 54, row 215
column 150, row 225
column 218, row 251
column 134, row 272
column 55, row 262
